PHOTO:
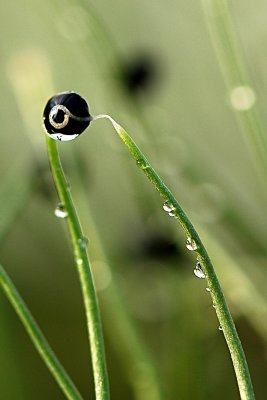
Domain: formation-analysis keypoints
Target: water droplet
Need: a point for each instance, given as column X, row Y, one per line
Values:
column 220, row 328
column 198, row 271
column 142, row 164
column 60, row 211
column 191, row 244
column 208, row 289
column 83, row 242
column 213, row 305
column 169, row 208
column 242, row 98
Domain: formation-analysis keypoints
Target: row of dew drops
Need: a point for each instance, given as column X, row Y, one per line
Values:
column 190, row 245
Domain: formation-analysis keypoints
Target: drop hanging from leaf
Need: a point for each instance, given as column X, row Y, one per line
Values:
column 66, row 116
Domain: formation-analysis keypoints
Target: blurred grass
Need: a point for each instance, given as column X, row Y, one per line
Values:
column 191, row 137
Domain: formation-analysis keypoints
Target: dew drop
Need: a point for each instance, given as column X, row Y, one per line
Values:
column 83, row 242
column 208, row 289
column 198, row 271
column 60, row 211
column 191, row 244
column 213, row 305
column 169, row 208
column 142, row 164
column 79, row 261
column 220, row 328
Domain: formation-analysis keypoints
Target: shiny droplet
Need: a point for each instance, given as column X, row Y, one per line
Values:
column 191, row 244
column 208, row 289
column 66, row 116
column 220, row 328
column 198, row 271
column 79, row 261
column 60, row 211
column 169, row 208
column 142, row 164
column 83, row 242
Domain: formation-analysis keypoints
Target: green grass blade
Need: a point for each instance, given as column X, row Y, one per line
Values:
column 222, row 311
column 236, row 78
column 86, row 279
column 38, row 338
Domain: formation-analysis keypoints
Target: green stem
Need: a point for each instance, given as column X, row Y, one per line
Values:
column 38, row 338
column 133, row 352
column 229, row 55
column 85, row 275
column 222, row 311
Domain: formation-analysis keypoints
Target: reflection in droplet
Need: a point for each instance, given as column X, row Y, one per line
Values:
column 63, row 138
column 191, row 244
column 198, row 271
column 169, row 208
column 60, row 211
column 220, row 328
column 242, row 98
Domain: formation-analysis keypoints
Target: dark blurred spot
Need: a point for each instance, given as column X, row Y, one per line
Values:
column 139, row 74
column 156, row 247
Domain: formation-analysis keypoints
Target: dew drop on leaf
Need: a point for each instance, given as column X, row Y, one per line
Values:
column 198, row 271
column 60, row 211
column 169, row 208
column 191, row 244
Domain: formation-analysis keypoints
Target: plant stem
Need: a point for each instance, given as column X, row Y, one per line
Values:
column 132, row 351
column 230, row 59
column 222, row 311
column 38, row 338
column 85, row 275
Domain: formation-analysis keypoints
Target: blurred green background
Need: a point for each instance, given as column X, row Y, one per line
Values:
column 151, row 65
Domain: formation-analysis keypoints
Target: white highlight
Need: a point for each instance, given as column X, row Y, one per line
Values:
column 242, row 98
column 61, row 137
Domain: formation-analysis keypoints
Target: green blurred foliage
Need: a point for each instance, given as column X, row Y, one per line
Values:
column 183, row 120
